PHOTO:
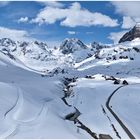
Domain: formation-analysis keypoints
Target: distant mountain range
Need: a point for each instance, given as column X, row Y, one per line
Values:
column 72, row 50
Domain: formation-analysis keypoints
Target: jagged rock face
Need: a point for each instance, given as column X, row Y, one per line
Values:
column 71, row 45
column 35, row 49
column 98, row 46
column 6, row 42
column 132, row 34
column 34, row 54
column 7, row 45
column 95, row 45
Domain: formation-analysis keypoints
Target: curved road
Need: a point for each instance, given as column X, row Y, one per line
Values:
column 131, row 136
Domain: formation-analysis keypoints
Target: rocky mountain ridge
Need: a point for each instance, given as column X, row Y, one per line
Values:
column 132, row 34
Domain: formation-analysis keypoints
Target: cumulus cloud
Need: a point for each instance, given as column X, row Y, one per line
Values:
column 130, row 11
column 115, row 36
column 127, row 8
column 23, row 20
column 71, row 32
column 128, row 22
column 73, row 16
column 14, row 34
column 51, row 3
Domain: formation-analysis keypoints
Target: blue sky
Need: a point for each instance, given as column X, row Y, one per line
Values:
column 54, row 21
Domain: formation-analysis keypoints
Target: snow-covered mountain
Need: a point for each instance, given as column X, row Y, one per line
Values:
column 34, row 54
column 38, row 56
column 132, row 34
column 97, row 46
column 71, row 45
column 118, row 59
column 75, row 91
column 77, row 50
column 33, row 50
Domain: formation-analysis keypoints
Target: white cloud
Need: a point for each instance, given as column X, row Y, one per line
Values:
column 127, row 8
column 71, row 32
column 23, row 20
column 51, row 3
column 14, row 34
column 128, row 22
column 4, row 3
column 73, row 16
column 115, row 36
column 130, row 11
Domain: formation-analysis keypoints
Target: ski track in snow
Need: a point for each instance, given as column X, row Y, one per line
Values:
column 13, row 112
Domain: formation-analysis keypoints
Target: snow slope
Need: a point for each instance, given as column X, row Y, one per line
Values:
column 31, row 105
column 128, row 100
column 120, row 60
column 35, row 102
column 89, row 97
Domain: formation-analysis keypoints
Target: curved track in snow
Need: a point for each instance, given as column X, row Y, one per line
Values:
column 13, row 112
column 9, row 110
column 131, row 136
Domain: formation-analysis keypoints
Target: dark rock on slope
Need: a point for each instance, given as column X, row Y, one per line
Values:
column 71, row 45
column 132, row 34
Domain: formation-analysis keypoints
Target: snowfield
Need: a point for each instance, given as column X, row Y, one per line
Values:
column 69, row 96
column 90, row 96
column 128, row 100
column 31, row 105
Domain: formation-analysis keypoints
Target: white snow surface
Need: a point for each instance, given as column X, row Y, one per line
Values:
column 30, row 98
column 128, row 100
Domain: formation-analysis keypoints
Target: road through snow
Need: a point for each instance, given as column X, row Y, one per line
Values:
column 131, row 136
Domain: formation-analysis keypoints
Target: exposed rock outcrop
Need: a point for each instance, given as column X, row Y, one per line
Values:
column 71, row 45
column 132, row 34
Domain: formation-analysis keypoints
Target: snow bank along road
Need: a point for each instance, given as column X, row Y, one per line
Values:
column 116, row 117
column 122, row 96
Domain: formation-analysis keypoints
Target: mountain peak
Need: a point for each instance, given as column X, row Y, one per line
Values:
column 132, row 34
column 6, row 42
column 70, row 45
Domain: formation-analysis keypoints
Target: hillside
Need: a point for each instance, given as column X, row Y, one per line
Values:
column 75, row 91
